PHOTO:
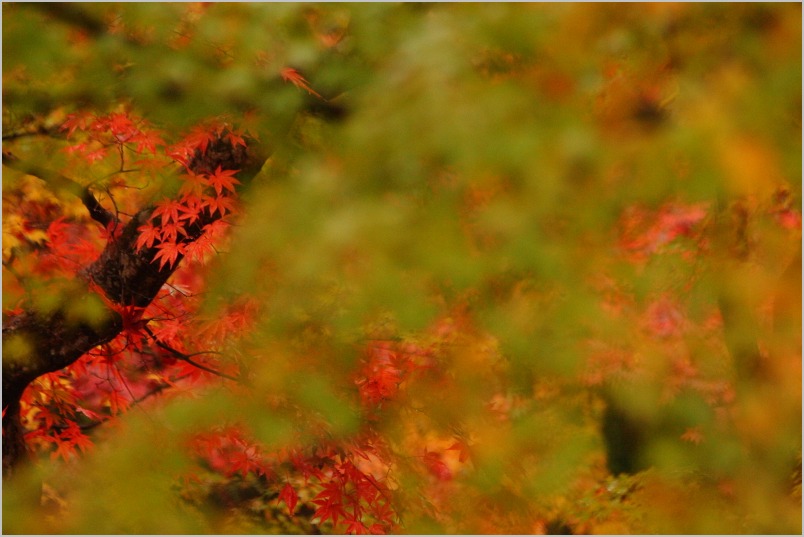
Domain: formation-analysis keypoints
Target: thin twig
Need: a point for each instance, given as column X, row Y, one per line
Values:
column 188, row 357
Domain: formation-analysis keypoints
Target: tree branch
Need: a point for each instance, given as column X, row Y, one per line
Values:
column 48, row 341
column 188, row 358
column 96, row 210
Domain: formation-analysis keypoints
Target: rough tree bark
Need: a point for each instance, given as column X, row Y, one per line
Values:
column 126, row 276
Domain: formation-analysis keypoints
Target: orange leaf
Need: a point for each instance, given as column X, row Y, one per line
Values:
column 293, row 76
column 169, row 252
column 223, row 180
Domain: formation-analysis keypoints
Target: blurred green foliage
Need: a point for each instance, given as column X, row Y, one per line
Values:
column 473, row 157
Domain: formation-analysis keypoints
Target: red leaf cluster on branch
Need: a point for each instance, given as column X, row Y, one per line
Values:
column 114, row 323
column 116, row 130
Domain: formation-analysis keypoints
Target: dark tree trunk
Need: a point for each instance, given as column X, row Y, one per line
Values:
column 126, row 277
column 52, row 343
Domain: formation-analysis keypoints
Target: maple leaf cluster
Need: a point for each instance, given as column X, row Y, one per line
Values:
column 329, row 478
column 349, row 484
column 105, row 132
column 176, row 224
column 151, row 355
column 51, row 241
column 60, row 409
column 676, row 331
column 385, row 368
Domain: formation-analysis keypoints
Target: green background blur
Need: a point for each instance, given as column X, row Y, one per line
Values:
column 481, row 154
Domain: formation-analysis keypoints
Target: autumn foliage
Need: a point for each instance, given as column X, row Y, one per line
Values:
column 372, row 269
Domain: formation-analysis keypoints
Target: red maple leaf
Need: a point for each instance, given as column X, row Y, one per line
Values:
column 236, row 139
column 193, row 183
column 171, row 231
column 77, row 437
column 68, row 440
column 290, row 497
column 191, row 207
column 199, row 249
column 75, row 122
column 169, row 210
column 330, row 502
column 48, row 416
column 169, row 252
column 220, row 204
column 120, row 125
column 380, row 385
column 147, row 140
column 199, row 138
column 244, row 459
column 148, row 235
column 98, row 154
column 355, row 527
column 79, row 148
column 223, row 180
